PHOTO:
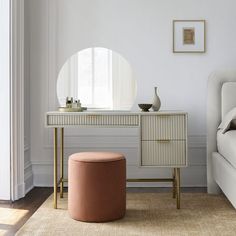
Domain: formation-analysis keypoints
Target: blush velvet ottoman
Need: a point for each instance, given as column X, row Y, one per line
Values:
column 97, row 186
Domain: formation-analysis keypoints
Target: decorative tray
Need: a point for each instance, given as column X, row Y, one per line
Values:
column 67, row 109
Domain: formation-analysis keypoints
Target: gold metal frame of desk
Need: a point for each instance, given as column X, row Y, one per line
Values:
column 175, row 179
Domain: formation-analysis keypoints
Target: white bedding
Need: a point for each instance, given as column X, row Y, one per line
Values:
column 226, row 144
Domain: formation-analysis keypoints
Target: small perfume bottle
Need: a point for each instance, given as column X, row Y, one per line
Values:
column 69, row 102
column 74, row 104
column 78, row 104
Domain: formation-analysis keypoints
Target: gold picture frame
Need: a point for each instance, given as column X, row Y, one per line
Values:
column 189, row 36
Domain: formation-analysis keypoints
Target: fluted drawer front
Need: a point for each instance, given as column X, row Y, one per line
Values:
column 93, row 120
column 155, row 127
column 163, row 153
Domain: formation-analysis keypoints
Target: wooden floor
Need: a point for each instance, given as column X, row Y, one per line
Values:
column 14, row 215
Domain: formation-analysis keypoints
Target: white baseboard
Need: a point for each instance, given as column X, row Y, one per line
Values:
column 29, row 183
column 20, row 190
column 29, row 188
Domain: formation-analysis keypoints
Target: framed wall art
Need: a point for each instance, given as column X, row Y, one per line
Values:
column 189, row 36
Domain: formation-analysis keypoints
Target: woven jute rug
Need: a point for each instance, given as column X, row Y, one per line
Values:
column 147, row 214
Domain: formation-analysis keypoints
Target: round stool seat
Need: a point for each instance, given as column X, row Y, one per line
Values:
column 96, row 186
column 97, row 156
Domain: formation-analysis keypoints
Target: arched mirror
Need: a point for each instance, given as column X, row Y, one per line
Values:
column 100, row 78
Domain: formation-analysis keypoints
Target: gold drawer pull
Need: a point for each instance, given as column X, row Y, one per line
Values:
column 164, row 140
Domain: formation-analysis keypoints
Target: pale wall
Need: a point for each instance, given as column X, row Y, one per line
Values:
column 141, row 30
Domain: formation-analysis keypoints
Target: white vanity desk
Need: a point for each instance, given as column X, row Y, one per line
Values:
column 163, row 139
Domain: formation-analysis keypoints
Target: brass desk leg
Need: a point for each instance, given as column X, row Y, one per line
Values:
column 178, row 187
column 174, row 183
column 62, row 163
column 55, row 168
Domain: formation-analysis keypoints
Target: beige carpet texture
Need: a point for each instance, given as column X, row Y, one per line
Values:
column 147, row 214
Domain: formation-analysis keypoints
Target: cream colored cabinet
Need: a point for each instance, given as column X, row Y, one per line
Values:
column 164, row 140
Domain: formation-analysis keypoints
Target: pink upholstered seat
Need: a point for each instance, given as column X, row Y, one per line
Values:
column 97, row 186
column 97, row 156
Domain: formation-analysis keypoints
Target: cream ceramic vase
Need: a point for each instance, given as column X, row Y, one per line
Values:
column 156, row 104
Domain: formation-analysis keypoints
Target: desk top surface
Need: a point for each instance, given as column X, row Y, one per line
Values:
column 106, row 112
